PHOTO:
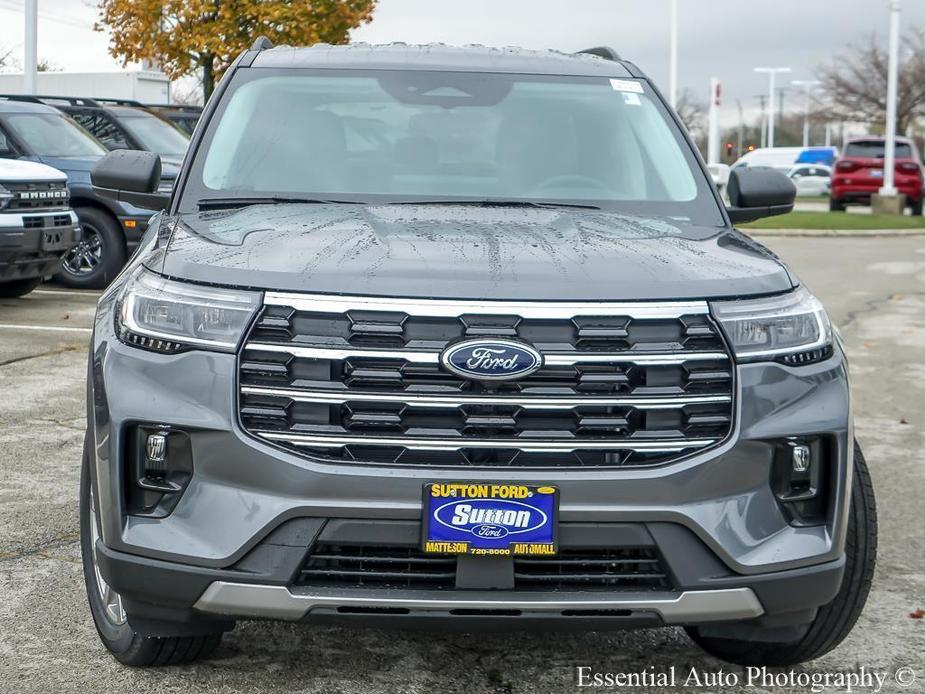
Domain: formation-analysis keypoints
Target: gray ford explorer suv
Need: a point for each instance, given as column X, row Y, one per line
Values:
column 463, row 338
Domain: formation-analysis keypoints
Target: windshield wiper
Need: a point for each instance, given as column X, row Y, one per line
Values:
column 494, row 202
column 220, row 203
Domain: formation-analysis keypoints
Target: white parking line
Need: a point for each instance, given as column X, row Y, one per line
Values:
column 53, row 328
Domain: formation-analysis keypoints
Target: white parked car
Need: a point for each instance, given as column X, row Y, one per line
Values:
column 782, row 158
column 811, row 179
column 37, row 225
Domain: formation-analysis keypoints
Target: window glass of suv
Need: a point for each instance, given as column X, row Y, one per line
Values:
column 402, row 136
column 6, row 147
column 102, row 127
column 875, row 149
column 52, row 135
column 154, row 134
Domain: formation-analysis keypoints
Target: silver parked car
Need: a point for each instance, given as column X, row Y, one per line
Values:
column 463, row 337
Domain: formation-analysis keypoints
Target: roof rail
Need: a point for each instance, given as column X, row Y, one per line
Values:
column 605, row 52
column 21, row 97
column 261, row 43
column 45, row 98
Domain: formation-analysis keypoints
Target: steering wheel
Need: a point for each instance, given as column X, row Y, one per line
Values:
column 570, row 181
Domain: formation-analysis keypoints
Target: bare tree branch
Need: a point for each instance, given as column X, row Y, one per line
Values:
column 854, row 84
column 692, row 112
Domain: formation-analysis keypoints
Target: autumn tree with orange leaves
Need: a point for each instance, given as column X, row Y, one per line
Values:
column 186, row 36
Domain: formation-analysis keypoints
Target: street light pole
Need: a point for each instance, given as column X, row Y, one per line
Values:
column 30, row 57
column 771, row 72
column 889, row 160
column 713, row 122
column 673, row 56
column 741, row 130
column 808, row 87
column 762, row 100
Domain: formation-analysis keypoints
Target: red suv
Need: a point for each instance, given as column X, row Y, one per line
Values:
column 858, row 173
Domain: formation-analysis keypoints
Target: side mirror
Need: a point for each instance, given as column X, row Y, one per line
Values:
column 756, row 192
column 130, row 176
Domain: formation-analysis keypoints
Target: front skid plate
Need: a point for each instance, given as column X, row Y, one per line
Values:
column 278, row 602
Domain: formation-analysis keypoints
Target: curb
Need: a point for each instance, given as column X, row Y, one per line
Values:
column 841, row 233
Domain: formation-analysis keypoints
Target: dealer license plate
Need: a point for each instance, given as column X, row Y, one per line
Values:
column 489, row 518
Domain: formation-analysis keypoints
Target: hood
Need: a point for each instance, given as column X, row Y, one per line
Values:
column 21, row 170
column 67, row 164
column 458, row 251
column 169, row 169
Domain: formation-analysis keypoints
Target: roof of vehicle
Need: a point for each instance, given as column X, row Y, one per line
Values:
column 13, row 106
column 474, row 58
column 18, row 170
column 118, row 107
column 875, row 138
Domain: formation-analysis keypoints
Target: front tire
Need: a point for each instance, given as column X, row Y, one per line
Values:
column 836, row 205
column 917, row 207
column 834, row 621
column 126, row 645
column 17, row 288
column 96, row 260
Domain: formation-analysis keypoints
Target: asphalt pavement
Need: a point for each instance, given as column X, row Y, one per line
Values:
column 875, row 291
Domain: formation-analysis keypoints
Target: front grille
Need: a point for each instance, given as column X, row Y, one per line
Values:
column 35, row 197
column 377, row 566
column 358, row 380
column 373, row 566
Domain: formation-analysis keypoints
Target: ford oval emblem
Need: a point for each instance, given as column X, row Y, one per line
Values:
column 490, row 518
column 491, row 360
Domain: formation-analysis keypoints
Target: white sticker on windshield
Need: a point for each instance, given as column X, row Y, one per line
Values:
column 626, row 86
column 631, row 99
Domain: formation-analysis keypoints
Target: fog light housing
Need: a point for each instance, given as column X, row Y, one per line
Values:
column 159, row 466
column 801, row 478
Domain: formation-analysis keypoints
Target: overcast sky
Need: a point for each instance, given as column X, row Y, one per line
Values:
column 722, row 38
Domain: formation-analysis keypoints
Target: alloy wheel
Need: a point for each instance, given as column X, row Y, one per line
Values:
column 84, row 258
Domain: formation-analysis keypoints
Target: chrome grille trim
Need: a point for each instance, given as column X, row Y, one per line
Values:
column 326, row 303
column 357, row 380
column 321, row 441
column 549, row 359
column 534, row 402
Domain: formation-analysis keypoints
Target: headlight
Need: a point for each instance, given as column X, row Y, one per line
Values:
column 792, row 328
column 166, row 316
column 5, row 197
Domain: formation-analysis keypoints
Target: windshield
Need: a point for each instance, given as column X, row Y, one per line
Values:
column 403, row 136
column 53, row 135
column 875, row 149
column 156, row 135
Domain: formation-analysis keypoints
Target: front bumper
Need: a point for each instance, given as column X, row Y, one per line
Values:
column 35, row 251
column 243, row 491
column 264, row 584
